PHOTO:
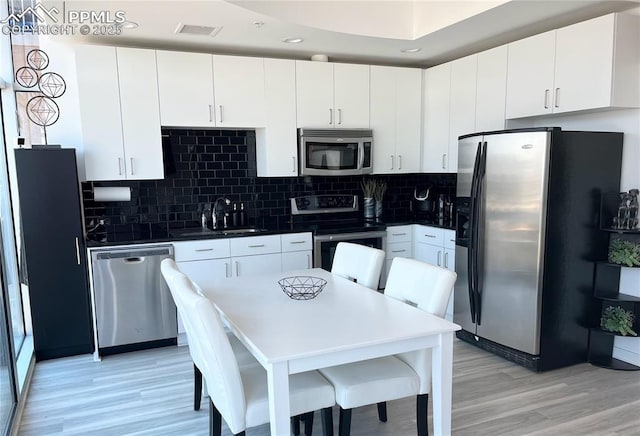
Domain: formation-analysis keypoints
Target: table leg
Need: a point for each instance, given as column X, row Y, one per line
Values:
column 279, row 410
column 442, row 379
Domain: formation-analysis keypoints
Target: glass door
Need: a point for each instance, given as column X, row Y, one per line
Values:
column 7, row 386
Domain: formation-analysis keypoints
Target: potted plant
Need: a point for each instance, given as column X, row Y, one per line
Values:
column 623, row 252
column 380, row 189
column 369, row 187
column 617, row 320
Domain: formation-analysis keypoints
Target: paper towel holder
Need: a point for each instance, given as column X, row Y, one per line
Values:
column 111, row 193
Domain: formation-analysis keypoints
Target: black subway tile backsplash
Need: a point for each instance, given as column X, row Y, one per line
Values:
column 202, row 165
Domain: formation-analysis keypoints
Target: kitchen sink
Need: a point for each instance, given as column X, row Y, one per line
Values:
column 208, row 232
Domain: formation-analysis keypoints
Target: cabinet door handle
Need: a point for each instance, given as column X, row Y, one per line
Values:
column 398, row 251
column 399, row 161
column 237, row 268
column 444, row 157
column 309, row 260
column 398, row 234
column 446, row 260
column 226, row 269
column 256, row 246
column 131, row 162
column 211, row 113
column 339, row 116
column 204, row 249
column 293, row 163
column 439, row 258
column 556, row 98
column 220, row 106
column 77, row 251
column 429, row 236
column 546, row 99
column 120, row 166
column 391, row 162
column 297, row 242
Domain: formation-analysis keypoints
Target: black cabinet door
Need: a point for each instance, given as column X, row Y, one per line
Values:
column 54, row 251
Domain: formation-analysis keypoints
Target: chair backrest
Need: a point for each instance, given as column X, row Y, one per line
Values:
column 219, row 365
column 177, row 282
column 358, row 262
column 429, row 288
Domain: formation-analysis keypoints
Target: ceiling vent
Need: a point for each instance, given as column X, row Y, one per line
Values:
column 191, row 29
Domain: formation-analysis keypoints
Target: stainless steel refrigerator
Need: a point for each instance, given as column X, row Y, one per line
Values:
column 527, row 207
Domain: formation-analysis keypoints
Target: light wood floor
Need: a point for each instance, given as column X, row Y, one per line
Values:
column 150, row 393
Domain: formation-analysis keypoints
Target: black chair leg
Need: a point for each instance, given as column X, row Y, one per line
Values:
column 308, row 423
column 422, row 412
column 327, row 421
column 295, row 425
column 382, row 411
column 197, row 387
column 344, row 427
column 215, row 420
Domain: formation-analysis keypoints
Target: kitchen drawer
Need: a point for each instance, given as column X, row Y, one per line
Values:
column 399, row 249
column 429, row 235
column 449, row 238
column 296, row 242
column 399, row 234
column 251, row 245
column 201, row 249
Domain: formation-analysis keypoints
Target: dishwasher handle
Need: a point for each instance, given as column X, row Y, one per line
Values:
column 134, row 260
column 135, row 254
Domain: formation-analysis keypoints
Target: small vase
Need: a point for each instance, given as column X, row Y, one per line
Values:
column 369, row 207
column 378, row 208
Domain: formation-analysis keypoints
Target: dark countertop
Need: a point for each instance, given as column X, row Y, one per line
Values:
column 149, row 234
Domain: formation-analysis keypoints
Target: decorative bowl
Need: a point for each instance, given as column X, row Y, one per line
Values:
column 302, row 287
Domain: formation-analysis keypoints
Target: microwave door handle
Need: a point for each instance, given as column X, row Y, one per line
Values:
column 360, row 155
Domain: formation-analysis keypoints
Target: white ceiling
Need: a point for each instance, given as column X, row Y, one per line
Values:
column 350, row 30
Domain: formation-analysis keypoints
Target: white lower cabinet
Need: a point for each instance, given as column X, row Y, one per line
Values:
column 399, row 244
column 254, row 265
column 297, row 251
column 437, row 247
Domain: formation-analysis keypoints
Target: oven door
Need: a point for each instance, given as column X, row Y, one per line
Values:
column 324, row 246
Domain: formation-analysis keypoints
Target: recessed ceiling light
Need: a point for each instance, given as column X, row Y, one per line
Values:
column 411, row 50
column 293, row 40
column 129, row 25
column 258, row 23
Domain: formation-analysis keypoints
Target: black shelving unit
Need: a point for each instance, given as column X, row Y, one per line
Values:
column 606, row 285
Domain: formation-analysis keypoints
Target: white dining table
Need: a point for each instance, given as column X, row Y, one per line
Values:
column 345, row 323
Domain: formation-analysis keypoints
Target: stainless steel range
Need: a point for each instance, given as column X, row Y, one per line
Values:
column 334, row 218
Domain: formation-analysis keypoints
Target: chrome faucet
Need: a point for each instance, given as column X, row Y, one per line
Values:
column 214, row 212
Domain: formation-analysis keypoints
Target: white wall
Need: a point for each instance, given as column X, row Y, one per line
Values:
column 628, row 122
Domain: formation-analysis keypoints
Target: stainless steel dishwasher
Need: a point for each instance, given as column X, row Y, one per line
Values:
column 134, row 307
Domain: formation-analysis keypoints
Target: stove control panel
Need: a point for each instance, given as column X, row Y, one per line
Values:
column 313, row 204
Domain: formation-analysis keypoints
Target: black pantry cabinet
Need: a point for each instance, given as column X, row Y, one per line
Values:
column 50, row 211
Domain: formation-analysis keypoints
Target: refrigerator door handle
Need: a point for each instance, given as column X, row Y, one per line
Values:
column 472, row 232
column 477, row 258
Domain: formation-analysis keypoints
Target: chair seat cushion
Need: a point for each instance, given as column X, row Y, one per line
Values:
column 308, row 391
column 372, row 381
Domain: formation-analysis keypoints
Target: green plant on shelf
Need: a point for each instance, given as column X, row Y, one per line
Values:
column 623, row 252
column 617, row 320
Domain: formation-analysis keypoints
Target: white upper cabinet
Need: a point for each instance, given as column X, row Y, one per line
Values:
column 462, row 110
column 332, row 95
column 140, row 114
column 530, row 75
column 491, row 89
column 276, row 145
column 590, row 65
column 185, row 82
column 118, row 96
column 238, row 84
column 437, row 102
column 395, row 119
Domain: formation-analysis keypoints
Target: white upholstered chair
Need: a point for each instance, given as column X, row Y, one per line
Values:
column 429, row 288
column 359, row 263
column 240, row 394
column 174, row 277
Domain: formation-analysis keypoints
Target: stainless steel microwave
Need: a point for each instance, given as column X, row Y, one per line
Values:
column 335, row 152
